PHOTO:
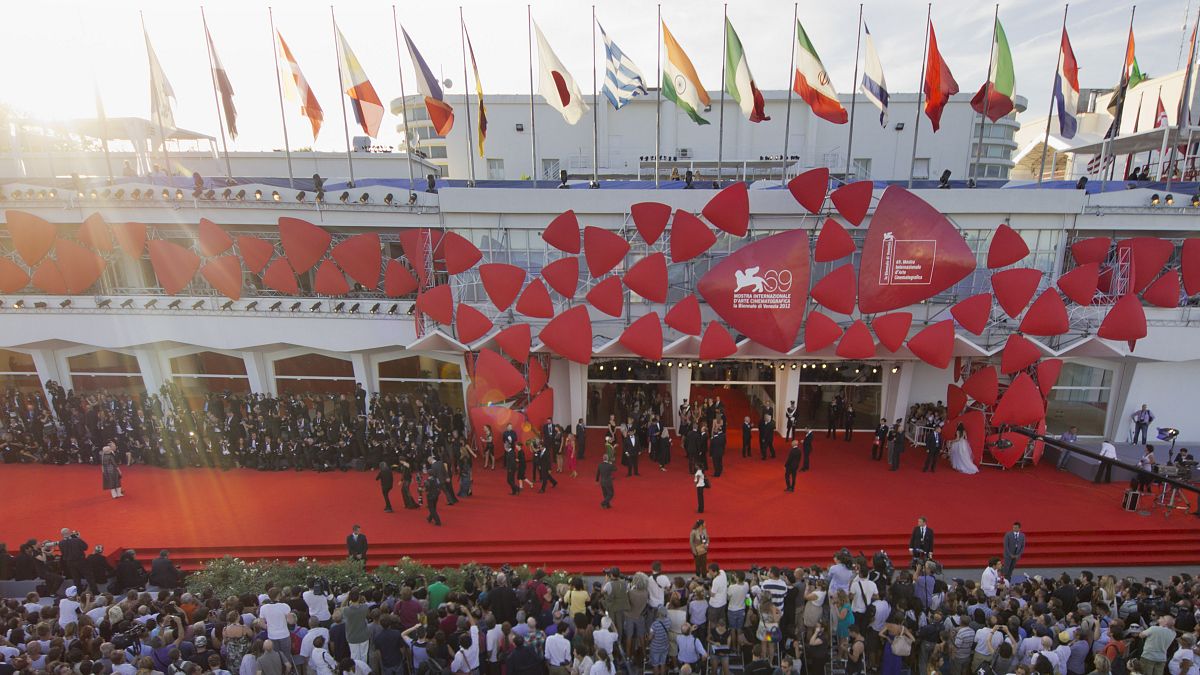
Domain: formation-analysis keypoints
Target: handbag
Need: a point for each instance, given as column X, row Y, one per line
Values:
column 902, row 645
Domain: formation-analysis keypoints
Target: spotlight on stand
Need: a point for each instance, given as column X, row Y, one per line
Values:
column 275, row 195
column 175, row 304
column 944, row 181
column 344, row 197
column 276, row 305
column 252, row 306
column 135, row 195
column 128, row 304
column 178, row 195
column 166, row 194
column 339, row 307
column 228, row 305
column 394, row 309
column 387, row 199
column 295, row 307
column 364, row 198
column 1155, row 199
column 1081, row 184
column 1170, row 199
column 199, row 304
column 241, row 195
column 354, row 308
column 316, row 306
column 18, row 304
column 430, row 184
column 375, row 308
column 257, row 195
column 152, row 303
column 65, row 303
column 227, row 194
column 412, row 198
column 209, row 194
column 39, row 305
column 300, row 196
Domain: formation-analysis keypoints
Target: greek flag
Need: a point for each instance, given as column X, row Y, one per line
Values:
column 622, row 79
column 873, row 86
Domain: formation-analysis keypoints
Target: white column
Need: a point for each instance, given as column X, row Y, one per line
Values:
column 364, row 374
column 569, row 381
column 790, row 384
column 681, row 388
column 47, row 370
column 154, row 374
column 256, row 372
column 898, row 406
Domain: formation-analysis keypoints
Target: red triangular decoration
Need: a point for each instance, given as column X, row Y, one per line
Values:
column 330, row 280
column 495, row 377
column 835, row 291
column 833, row 242
column 1149, row 255
column 255, row 252
column 131, row 237
column 685, row 316
column 570, row 335
column 689, row 236
column 607, row 296
column 974, row 312
column 280, row 277
column 650, row 218
column 1125, row 321
column 535, row 301
column 1014, row 288
column 515, row 341
column 32, row 237
column 563, row 276
column 461, row 255
column 1047, row 375
column 1018, row 354
column 934, row 344
column 852, row 200
column 1046, row 316
column 225, row 275
column 892, row 329
column 1189, row 257
column 1080, row 283
column 983, row 386
column 563, row 232
column 1094, row 250
column 438, row 304
column 1007, row 247
column 648, row 277
column 502, row 283
column 1021, row 403
column 603, row 250
column 820, row 331
column 856, row 342
column 540, row 408
column 303, row 243
column 538, row 377
column 360, row 256
column 397, row 280
column 173, row 264
column 471, row 323
column 717, row 343
column 1164, row 292
column 729, row 209
column 809, row 188
column 95, row 233
column 49, row 278
column 80, row 267
column 956, row 400
column 213, row 239
column 13, row 278
column 644, row 337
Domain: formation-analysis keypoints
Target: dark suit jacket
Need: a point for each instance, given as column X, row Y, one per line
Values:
column 164, row 574
column 356, row 547
column 1014, row 545
column 808, row 442
column 580, row 436
column 793, row 459
column 916, row 541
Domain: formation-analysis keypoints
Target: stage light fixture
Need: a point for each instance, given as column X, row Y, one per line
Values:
column 364, row 198
column 387, row 199
column 344, row 197
column 257, row 195
column 793, row 366
column 19, row 304
column 210, row 195
column 944, row 181
column 412, row 309
column 65, row 303
column 41, row 194
column 148, row 194
column 128, row 304
column 339, row 307
column 54, row 194
column 412, row 198
column 375, row 308
column 394, row 309
column 166, row 194
column 321, row 197
column 1170, row 199
column 275, row 195
column 1195, row 201
column 175, row 304
column 228, row 305
column 93, row 194
column 136, row 194
column 252, row 306
column 1155, row 199
column 178, row 195
column 39, row 305
column 276, row 305
column 29, row 194
column 152, row 304
column 241, row 195
column 895, row 369
column 199, row 304
column 874, row 370
column 824, row 366
column 354, row 308
column 295, row 307
column 601, row 367
column 227, row 194
column 316, row 306
column 300, row 196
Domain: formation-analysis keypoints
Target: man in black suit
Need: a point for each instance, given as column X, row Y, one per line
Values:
column 632, row 452
column 691, row 447
column 790, row 466
column 653, row 432
column 356, row 545
column 164, row 573
column 441, row 475
column 509, row 437
column 881, row 437
column 548, row 434
column 580, row 439
column 920, row 544
column 510, row 468
column 73, row 550
column 716, row 448
column 433, row 490
column 604, row 476
column 933, row 448
column 746, row 431
column 541, row 464
column 766, row 437
column 384, row 476
column 98, row 569
column 895, row 446
column 808, row 443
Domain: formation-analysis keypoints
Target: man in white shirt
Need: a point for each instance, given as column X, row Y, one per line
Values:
column 314, row 631
column 718, row 597
column 558, row 651
column 991, row 577
column 100, row 609
column 492, row 640
column 659, row 583
column 1189, row 652
column 318, row 603
column 68, row 608
column 605, row 638
column 1108, row 451
column 275, row 614
column 862, row 592
column 987, row 640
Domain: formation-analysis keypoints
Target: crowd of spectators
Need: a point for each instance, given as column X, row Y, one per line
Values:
column 311, row 431
column 852, row 618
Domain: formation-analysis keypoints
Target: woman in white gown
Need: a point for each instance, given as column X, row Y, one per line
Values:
column 960, row 452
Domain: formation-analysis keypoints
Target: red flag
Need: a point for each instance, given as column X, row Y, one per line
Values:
column 939, row 82
column 1160, row 114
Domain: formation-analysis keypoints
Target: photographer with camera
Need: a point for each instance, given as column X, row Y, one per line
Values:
column 73, row 551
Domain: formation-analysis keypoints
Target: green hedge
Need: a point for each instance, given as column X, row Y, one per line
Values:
column 229, row 576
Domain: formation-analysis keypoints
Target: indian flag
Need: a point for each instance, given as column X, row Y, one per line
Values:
column 995, row 98
column 738, row 80
column 680, row 82
column 811, row 82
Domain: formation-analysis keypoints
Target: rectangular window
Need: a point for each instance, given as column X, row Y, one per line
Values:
column 1079, row 399
column 921, row 168
column 495, row 169
column 550, row 168
column 862, row 168
column 437, row 152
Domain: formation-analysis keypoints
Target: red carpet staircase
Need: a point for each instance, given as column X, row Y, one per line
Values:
column 967, row 550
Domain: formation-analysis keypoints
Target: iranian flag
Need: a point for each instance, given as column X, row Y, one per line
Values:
column 812, row 82
column 995, row 98
column 738, row 80
column 680, row 83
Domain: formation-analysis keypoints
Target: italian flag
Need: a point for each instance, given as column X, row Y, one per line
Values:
column 738, row 80
column 995, row 98
column 680, row 82
column 812, row 82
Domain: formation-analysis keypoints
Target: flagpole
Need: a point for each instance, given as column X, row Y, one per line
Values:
column 1184, row 115
column 337, row 47
column 404, row 103
column 721, row 113
column 912, row 162
column 212, row 64
column 1162, row 151
column 462, row 34
column 103, row 127
column 1050, row 112
column 1122, row 84
column 157, row 105
column 287, row 150
column 595, row 110
column 787, row 119
column 987, row 98
column 533, row 169
column 854, row 93
column 1137, row 117
column 658, row 100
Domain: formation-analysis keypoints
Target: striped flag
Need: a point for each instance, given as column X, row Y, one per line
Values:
column 622, row 79
column 161, row 92
column 478, row 93
column 440, row 112
column 1066, row 89
column 811, row 81
column 873, row 85
column 738, row 80
column 680, row 83
column 368, row 111
column 297, row 87
column 224, row 87
column 1101, row 162
column 995, row 97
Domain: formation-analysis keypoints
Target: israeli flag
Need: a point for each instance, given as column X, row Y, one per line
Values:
column 873, row 86
column 622, row 79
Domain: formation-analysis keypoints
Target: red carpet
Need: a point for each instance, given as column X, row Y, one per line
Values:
column 845, row 500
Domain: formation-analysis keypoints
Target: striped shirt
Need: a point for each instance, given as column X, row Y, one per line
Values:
column 778, row 590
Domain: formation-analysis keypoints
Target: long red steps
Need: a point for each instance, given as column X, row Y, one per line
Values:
column 962, row 550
